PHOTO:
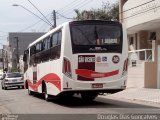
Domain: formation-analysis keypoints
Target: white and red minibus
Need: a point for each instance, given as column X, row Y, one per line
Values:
column 84, row 57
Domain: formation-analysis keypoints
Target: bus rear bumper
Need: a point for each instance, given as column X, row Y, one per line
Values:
column 99, row 86
column 90, row 91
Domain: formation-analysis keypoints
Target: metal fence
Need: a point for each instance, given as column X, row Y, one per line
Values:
column 136, row 57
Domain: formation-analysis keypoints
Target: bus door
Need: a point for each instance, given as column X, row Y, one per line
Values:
column 34, row 73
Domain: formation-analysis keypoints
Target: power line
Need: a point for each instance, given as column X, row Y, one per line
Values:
column 31, row 13
column 40, row 12
column 72, row 3
column 137, row 6
column 66, row 6
column 41, row 27
column 22, row 30
column 63, row 16
column 62, row 9
column 83, row 2
column 82, row 5
column 31, row 26
column 140, row 13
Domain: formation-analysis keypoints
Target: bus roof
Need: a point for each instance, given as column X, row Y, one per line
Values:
column 71, row 22
column 93, row 21
column 48, row 33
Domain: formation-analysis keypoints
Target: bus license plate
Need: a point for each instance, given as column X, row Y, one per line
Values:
column 97, row 85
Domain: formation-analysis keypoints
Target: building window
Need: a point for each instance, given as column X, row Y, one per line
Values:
column 131, row 41
column 152, row 36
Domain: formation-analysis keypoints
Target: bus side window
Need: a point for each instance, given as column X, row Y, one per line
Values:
column 46, row 43
column 56, row 45
column 38, row 52
column 38, row 47
column 26, row 59
column 45, row 54
column 59, row 38
column 59, row 44
column 32, row 54
column 54, row 39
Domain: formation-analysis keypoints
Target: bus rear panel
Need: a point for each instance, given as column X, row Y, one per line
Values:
column 95, row 60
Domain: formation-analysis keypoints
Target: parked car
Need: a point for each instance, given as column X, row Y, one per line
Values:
column 12, row 80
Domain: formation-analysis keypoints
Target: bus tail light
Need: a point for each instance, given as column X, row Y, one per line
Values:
column 125, row 67
column 67, row 68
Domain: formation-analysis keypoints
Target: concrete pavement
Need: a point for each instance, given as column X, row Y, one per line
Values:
column 135, row 87
column 19, row 102
column 134, row 92
column 139, row 94
column 4, row 110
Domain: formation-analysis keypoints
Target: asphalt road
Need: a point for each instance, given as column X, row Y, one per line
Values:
column 17, row 101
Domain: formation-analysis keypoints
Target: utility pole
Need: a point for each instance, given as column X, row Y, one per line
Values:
column 3, row 59
column 54, row 18
column 7, row 59
column 17, row 55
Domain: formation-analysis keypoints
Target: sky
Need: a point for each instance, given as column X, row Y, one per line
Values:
column 17, row 19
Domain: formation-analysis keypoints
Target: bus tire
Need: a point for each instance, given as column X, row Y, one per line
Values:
column 89, row 96
column 46, row 96
column 30, row 92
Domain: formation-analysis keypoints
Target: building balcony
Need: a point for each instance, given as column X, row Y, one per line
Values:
column 141, row 15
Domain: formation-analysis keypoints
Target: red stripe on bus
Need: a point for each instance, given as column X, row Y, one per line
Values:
column 92, row 74
column 51, row 78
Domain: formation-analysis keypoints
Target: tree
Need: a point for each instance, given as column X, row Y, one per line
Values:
column 115, row 11
column 107, row 12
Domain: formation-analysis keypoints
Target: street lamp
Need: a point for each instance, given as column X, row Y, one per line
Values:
column 17, row 5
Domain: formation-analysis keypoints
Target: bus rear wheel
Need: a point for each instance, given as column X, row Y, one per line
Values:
column 89, row 96
column 46, row 96
column 29, row 91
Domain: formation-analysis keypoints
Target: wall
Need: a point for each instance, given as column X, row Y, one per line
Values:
column 142, row 14
column 121, row 3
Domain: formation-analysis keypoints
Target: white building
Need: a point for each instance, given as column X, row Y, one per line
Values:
column 142, row 20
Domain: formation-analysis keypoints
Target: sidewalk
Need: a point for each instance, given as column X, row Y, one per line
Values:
column 139, row 94
column 135, row 88
column 4, row 110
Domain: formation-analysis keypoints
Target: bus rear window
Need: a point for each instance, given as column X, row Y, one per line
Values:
column 87, row 37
